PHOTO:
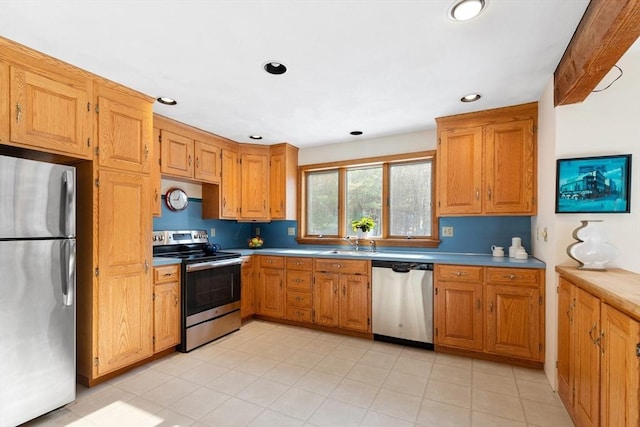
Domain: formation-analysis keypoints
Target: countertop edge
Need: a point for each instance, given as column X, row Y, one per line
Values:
column 615, row 286
column 430, row 257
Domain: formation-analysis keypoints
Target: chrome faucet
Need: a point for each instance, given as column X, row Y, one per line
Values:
column 353, row 243
column 372, row 246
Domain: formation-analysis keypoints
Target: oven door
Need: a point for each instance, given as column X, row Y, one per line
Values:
column 209, row 286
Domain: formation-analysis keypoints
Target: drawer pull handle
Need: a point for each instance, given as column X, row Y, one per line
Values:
column 337, row 265
column 18, row 112
column 511, row 276
column 298, row 280
column 460, row 273
column 168, row 274
column 299, row 263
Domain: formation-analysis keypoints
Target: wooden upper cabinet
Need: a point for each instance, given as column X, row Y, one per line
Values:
column 283, row 169
column 510, row 167
column 459, row 171
column 254, row 183
column 487, row 162
column 188, row 152
column 156, row 181
column 177, row 154
column 125, row 131
column 50, row 112
column 207, row 162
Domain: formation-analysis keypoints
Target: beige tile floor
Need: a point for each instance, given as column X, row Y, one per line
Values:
column 275, row 375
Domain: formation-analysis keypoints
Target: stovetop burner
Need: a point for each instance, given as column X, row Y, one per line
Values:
column 189, row 246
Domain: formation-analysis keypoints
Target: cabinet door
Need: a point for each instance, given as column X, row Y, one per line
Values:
column 587, row 359
column 254, row 186
column 271, row 292
column 355, row 302
column 326, row 288
column 458, row 314
column 513, row 321
column 166, row 319
column 620, row 384
column 207, row 162
column 230, row 185
column 277, row 185
column 510, row 168
column 247, row 294
column 51, row 113
column 177, row 154
column 124, row 295
column 125, row 131
column 459, row 183
column 566, row 314
column 156, row 179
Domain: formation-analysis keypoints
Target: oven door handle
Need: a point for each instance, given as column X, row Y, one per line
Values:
column 212, row 264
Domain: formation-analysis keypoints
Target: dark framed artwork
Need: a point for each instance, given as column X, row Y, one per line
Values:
column 594, row 184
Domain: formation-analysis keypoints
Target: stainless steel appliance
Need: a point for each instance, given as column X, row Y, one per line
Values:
column 210, row 281
column 402, row 302
column 37, row 288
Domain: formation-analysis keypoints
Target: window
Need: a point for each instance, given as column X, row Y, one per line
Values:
column 396, row 191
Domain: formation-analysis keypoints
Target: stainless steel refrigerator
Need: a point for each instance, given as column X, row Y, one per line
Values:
column 37, row 288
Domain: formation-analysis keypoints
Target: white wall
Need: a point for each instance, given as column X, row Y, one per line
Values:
column 372, row 147
column 605, row 123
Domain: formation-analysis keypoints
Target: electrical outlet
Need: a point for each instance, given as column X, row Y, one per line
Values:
column 447, row 231
column 213, row 233
column 257, row 231
column 291, row 231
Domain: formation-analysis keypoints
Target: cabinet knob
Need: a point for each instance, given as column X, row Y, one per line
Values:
column 298, row 280
column 176, row 300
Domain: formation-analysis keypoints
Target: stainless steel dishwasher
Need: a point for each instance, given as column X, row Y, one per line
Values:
column 402, row 302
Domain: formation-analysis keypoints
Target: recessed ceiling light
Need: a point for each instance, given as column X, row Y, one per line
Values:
column 356, row 132
column 255, row 137
column 273, row 67
column 463, row 10
column 166, row 100
column 472, row 97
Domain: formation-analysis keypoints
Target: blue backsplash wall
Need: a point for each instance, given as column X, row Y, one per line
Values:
column 470, row 234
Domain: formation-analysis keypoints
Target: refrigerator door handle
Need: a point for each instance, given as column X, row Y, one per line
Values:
column 68, row 206
column 68, row 270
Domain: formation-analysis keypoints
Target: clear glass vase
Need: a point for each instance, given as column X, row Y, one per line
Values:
column 592, row 251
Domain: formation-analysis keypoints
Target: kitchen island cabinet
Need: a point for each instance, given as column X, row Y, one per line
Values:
column 599, row 346
column 487, row 162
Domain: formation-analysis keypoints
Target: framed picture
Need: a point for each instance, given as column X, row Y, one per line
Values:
column 594, row 184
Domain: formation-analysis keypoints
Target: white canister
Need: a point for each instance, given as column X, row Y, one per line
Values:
column 512, row 251
column 516, row 242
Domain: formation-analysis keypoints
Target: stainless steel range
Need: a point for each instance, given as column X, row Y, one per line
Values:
column 210, row 282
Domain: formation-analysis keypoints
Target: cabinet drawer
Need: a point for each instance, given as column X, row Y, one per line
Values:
column 524, row 276
column 166, row 273
column 299, row 280
column 298, row 299
column 458, row 273
column 267, row 261
column 247, row 261
column 299, row 263
column 299, row 314
column 342, row 265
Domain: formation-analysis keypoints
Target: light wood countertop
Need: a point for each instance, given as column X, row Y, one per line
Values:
column 615, row 286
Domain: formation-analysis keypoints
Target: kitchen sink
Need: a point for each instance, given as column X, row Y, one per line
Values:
column 299, row 251
column 345, row 252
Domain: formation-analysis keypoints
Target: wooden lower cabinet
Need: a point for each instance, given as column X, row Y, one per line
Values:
column 490, row 310
column 270, row 286
column 166, row 307
column 299, row 289
column 459, row 315
column 247, row 293
column 598, row 368
column 342, row 294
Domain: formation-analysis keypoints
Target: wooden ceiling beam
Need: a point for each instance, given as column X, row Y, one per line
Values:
column 607, row 29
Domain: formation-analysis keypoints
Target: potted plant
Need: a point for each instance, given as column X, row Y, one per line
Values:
column 363, row 225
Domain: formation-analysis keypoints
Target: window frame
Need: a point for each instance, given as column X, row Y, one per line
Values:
column 341, row 166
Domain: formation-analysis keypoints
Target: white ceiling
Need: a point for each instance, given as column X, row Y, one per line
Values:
column 382, row 67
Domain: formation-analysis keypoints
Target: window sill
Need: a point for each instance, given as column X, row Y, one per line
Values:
column 336, row 241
